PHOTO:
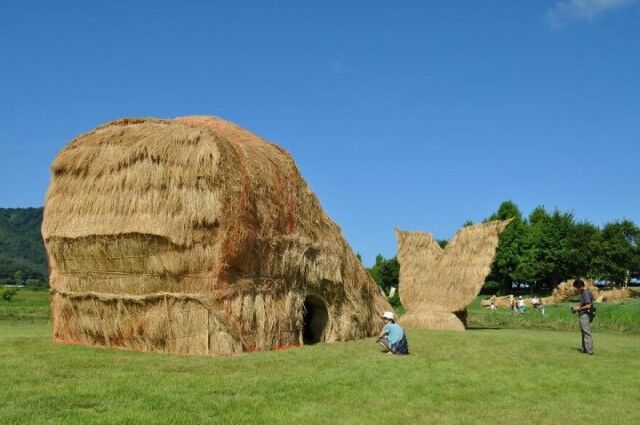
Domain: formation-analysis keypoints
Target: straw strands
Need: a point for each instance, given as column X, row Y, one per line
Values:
column 615, row 294
column 194, row 236
column 505, row 301
column 437, row 284
column 565, row 290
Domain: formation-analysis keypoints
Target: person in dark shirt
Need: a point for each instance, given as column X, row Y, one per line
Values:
column 585, row 314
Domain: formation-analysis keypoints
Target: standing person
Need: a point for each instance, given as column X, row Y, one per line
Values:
column 392, row 336
column 520, row 304
column 585, row 313
column 541, row 306
column 535, row 302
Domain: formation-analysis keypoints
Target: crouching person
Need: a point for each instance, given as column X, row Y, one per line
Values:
column 392, row 336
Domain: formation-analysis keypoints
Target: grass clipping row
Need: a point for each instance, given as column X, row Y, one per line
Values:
column 194, row 236
column 436, row 284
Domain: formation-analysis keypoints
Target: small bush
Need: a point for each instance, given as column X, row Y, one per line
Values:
column 7, row 293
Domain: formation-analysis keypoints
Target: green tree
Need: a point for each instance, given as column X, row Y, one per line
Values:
column 548, row 256
column 510, row 246
column 583, row 245
column 557, row 248
column 529, row 268
column 618, row 254
column 386, row 272
column 18, row 277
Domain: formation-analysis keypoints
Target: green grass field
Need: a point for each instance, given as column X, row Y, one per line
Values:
column 623, row 316
column 480, row 376
column 26, row 305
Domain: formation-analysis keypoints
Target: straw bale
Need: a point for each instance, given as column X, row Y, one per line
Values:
column 505, row 301
column 500, row 302
column 432, row 319
column 615, row 294
column 565, row 290
column 195, row 236
column 446, row 280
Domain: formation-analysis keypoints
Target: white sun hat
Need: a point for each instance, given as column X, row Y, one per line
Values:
column 388, row 315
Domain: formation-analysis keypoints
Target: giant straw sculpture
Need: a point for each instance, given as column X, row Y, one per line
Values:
column 436, row 284
column 195, row 236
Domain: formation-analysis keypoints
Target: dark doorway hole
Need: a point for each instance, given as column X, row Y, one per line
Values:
column 315, row 319
column 462, row 315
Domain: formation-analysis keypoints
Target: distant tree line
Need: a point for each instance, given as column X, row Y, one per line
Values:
column 22, row 255
column 546, row 248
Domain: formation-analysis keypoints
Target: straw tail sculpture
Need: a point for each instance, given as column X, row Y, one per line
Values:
column 437, row 284
column 194, row 236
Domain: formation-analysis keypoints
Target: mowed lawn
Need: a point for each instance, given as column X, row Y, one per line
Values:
column 474, row 377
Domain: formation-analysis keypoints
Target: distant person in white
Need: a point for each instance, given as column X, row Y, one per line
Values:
column 521, row 305
column 535, row 302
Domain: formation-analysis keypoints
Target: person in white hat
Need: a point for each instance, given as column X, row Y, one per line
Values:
column 392, row 336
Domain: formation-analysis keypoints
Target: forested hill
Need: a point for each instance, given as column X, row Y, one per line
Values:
column 22, row 254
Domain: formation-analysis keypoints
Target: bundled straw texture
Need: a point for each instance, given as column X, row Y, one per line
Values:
column 565, row 290
column 615, row 294
column 437, row 284
column 563, row 293
column 194, row 236
column 504, row 301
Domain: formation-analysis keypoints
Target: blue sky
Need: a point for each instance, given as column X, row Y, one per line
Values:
column 419, row 115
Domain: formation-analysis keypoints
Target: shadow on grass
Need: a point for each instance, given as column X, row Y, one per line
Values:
column 484, row 328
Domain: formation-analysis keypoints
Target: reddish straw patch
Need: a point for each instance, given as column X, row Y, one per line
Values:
column 287, row 347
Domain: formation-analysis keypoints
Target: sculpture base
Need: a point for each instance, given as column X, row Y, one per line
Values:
column 432, row 320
